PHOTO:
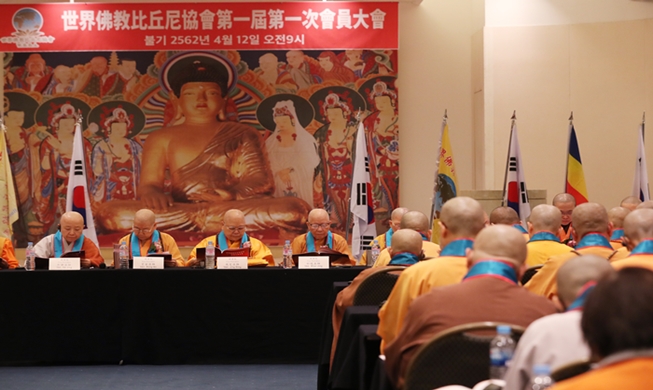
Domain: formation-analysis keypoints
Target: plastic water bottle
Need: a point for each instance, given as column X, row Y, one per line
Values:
column 287, row 255
column 376, row 249
column 30, row 263
column 209, row 263
column 541, row 377
column 502, row 347
column 124, row 256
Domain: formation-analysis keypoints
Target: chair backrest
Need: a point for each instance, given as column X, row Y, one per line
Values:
column 570, row 370
column 377, row 286
column 457, row 356
column 529, row 273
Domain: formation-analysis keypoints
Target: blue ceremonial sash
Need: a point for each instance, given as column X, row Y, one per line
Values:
column 404, row 258
column 544, row 236
column 310, row 241
column 58, row 244
column 424, row 238
column 617, row 234
column 643, row 248
column 520, row 228
column 388, row 238
column 494, row 269
column 585, row 291
column 593, row 239
column 457, row 248
column 136, row 246
column 222, row 241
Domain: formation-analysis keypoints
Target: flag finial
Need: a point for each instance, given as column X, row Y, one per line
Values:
column 644, row 117
column 571, row 116
column 514, row 115
column 445, row 114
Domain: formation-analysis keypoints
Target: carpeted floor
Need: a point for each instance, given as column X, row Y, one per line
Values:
column 222, row 377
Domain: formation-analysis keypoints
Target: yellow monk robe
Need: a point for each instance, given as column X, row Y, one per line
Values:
column 167, row 242
column 430, row 249
column 339, row 245
column 641, row 256
column 542, row 246
column 418, row 279
column 544, row 281
column 631, row 374
column 259, row 253
column 382, row 245
column 8, row 253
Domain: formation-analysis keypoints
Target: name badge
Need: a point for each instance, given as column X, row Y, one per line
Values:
column 232, row 262
column 64, row 264
column 313, row 262
column 148, row 262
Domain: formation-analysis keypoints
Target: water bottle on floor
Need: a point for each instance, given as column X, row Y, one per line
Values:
column 502, row 347
column 30, row 262
column 287, row 255
column 209, row 262
column 541, row 377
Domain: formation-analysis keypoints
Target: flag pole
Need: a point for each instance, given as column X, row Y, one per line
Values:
column 644, row 126
column 571, row 125
column 353, row 157
column 437, row 167
column 513, row 119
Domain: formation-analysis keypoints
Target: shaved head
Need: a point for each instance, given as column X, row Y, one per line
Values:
column 463, row 216
column 590, row 218
column 577, row 272
column 638, row 225
column 616, row 215
column 545, row 218
column 406, row 240
column 630, row 202
column 398, row 213
column 144, row 217
column 500, row 242
column 563, row 198
column 645, row 205
column 317, row 214
column 415, row 220
column 503, row 215
column 234, row 215
column 71, row 217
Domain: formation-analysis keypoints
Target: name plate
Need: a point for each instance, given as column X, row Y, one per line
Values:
column 148, row 262
column 313, row 262
column 239, row 262
column 64, row 264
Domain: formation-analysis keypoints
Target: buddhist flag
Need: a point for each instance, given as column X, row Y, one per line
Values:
column 361, row 199
column 8, row 203
column 445, row 184
column 77, row 198
column 515, row 194
column 575, row 180
column 640, row 184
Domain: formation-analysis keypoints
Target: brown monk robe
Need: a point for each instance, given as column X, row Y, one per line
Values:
column 214, row 166
column 489, row 292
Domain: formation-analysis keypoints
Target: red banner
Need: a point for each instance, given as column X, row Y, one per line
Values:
column 193, row 26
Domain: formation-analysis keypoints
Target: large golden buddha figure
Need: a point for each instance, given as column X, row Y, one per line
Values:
column 214, row 165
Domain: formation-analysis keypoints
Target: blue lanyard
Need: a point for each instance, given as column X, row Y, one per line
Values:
column 222, row 241
column 492, row 268
column 388, row 238
column 520, row 228
column 136, row 247
column 544, row 236
column 593, row 239
column 58, row 244
column 404, row 258
column 310, row 241
column 457, row 248
column 644, row 247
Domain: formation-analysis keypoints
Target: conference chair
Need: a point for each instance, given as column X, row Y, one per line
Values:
column 529, row 273
column 377, row 286
column 457, row 356
column 570, row 370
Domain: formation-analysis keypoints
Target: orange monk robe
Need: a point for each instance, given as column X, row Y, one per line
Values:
column 259, row 254
column 544, row 281
column 632, row 374
column 168, row 245
column 8, row 253
column 540, row 251
column 382, row 245
column 638, row 260
column 616, row 244
column 339, row 245
column 564, row 236
column 430, row 249
column 345, row 299
column 417, row 280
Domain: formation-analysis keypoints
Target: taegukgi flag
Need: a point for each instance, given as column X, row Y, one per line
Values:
column 360, row 203
column 77, row 198
column 640, row 184
column 8, row 202
column 515, row 194
column 445, row 185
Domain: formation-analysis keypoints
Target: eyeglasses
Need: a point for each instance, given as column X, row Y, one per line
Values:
column 319, row 225
column 141, row 230
column 235, row 228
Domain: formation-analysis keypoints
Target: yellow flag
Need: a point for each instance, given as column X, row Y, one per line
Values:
column 8, row 204
column 446, row 184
